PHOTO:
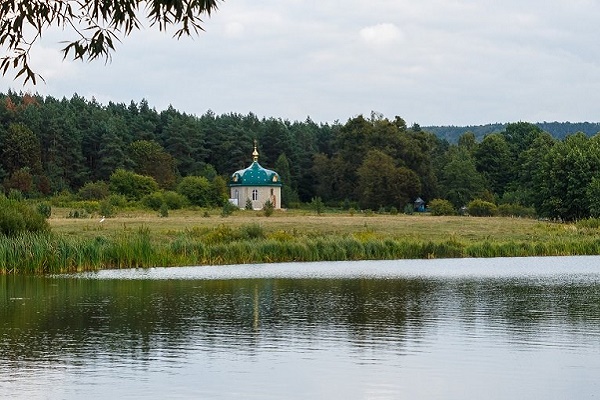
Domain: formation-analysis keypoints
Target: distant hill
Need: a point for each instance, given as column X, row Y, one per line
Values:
column 557, row 129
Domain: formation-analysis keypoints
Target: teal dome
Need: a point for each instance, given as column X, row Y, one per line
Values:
column 255, row 175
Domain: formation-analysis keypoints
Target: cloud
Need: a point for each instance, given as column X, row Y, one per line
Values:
column 234, row 29
column 429, row 61
column 381, row 35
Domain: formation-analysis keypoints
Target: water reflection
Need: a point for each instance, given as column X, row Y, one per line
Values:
column 370, row 335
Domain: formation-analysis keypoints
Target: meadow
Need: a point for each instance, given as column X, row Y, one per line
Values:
column 138, row 238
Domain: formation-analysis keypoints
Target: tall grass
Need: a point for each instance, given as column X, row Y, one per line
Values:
column 34, row 253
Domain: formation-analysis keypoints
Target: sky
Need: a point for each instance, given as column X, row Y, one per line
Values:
column 431, row 62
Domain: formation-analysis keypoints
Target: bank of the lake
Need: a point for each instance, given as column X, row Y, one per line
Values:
column 137, row 239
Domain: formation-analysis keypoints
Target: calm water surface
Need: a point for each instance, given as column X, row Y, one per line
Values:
column 452, row 329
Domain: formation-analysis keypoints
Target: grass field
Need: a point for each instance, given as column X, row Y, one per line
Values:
column 143, row 239
column 421, row 227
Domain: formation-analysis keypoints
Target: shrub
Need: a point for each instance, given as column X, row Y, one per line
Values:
column 15, row 195
column 441, row 207
column 228, row 209
column 197, row 189
column 252, row 231
column 94, row 191
column 163, row 212
column 482, row 208
column 132, row 185
column 249, row 205
column 106, row 208
column 44, row 209
column 17, row 217
column 268, row 208
column 516, row 210
column 78, row 214
column 153, row 201
column 116, row 200
column 393, row 211
column 174, row 200
column 317, row 204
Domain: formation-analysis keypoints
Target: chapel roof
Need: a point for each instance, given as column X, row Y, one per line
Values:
column 255, row 174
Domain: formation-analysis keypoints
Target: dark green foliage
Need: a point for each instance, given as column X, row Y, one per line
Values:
column 268, row 208
column 174, row 200
column 51, row 146
column 163, row 211
column 481, row 208
column 460, row 180
column 150, row 159
column 288, row 193
column 381, row 183
column 494, row 161
column 249, row 205
column 218, row 192
column 94, row 191
column 17, row 217
column 441, row 207
column 44, row 209
column 153, row 201
column 131, row 185
column 20, row 149
column 15, row 194
column 106, row 209
column 570, row 168
column 317, row 205
column 228, row 209
column 515, row 210
column 196, row 189
column 252, row 231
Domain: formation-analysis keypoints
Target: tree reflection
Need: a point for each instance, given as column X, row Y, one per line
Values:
column 58, row 318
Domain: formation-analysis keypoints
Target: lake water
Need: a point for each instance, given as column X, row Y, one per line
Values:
column 518, row 328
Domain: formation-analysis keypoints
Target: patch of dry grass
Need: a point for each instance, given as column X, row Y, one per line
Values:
column 305, row 223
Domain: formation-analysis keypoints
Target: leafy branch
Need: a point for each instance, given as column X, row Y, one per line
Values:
column 98, row 24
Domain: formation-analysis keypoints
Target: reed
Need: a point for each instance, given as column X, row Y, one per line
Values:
column 43, row 252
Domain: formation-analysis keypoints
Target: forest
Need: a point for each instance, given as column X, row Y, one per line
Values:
column 78, row 147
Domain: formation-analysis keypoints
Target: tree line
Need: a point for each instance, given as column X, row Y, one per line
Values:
column 50, row 146
column 558, row 130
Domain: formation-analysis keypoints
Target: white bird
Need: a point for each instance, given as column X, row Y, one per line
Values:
column 102, row 219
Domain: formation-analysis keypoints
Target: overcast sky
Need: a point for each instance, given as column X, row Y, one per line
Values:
column 432, row 62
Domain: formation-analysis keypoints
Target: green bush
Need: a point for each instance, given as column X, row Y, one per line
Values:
column 317, row 204
column 174, row 200
column 482, row 208
column 131, row 185
column 516, row 210
column 94, row 191
column 106, row 208
column 252, row 231
column 197, row 189
column 117, row 201
column 228, row 209
column 45, row 209
column 17, row 217
column 268, row 208
column 163, row 212
column 153, row 201
column 441, row 207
